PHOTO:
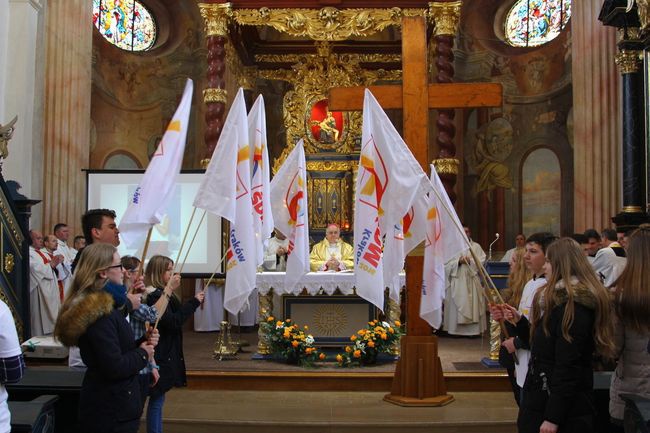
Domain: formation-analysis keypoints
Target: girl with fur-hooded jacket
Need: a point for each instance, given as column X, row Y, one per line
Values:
column 110, row 396
column 571, row 319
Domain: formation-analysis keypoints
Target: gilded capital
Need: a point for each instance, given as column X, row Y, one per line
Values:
column 446, row 165
column 628, row 62
column 216, row 17
column 212, row 95
column 445, row 17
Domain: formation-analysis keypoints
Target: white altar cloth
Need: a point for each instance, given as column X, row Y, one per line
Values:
column 314, row 282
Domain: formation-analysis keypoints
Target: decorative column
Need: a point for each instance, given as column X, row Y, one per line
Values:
column 445, row 16
column 66, row 112
column 216, row 17
column 629, row 60
column 596, row 117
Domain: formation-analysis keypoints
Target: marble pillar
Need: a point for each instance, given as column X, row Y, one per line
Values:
column 21, row 93
column 66, row 139
column 597, row 119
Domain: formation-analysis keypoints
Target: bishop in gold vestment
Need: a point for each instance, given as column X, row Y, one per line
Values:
column 331, row 254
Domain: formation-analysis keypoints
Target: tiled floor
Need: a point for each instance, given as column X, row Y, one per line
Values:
column 269, row 411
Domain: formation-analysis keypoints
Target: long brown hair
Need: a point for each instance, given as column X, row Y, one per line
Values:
column 568, row 260
column 156, row 268
column 518, row 277
column 94, row 258
column 632, row 296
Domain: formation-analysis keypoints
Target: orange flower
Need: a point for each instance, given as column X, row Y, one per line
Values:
column 371, row 323
column 371, row 343
column 339, row 358
column 322, row 356
column 379, row 329
column 353, row 338
column 398, row 323
column 384, row 336
column 348, row 349
column 362, row 332
column 391, row 330
column 309, row 350
column 288, row 320
column 357, row 354
column 270, row 319
column 279, row 323
column 294, row 343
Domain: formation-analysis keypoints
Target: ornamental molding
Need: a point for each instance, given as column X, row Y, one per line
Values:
column 446, row 165
column 628, row 62
column 330, row 165
column 445, row 17
column 216, row 17
column 295, row 58
column 215, row 95
column 325, row 24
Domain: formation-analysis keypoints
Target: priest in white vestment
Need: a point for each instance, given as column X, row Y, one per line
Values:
column 44, row 300
column 464, row 307
column 332, row 253
column 275, row 256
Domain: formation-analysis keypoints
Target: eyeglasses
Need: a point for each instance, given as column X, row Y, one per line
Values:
column 115, row 266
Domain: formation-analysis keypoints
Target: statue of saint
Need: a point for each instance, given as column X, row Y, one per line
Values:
column 328, row 132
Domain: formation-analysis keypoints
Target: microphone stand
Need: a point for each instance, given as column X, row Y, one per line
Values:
column 489, row 259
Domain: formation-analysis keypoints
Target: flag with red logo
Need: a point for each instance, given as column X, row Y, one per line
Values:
column 388, row 179
column 226, row 191
column 445, row 239
column 289, row 202
column 260, row 184
column 401, row 240
column 150, row 200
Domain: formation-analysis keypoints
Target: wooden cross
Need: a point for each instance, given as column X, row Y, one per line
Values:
column 418, row 377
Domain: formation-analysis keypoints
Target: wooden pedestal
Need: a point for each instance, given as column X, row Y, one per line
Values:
column 418, row 377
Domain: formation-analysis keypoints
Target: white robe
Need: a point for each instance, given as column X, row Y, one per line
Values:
column 465, row 310
column 44, row 298
column 271, row 261
column 608, row 265
column 69, row 255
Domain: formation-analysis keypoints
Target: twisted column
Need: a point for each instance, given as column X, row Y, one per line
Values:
column 214, row 95
column 445, row 16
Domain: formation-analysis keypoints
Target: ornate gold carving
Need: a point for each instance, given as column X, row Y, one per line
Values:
column 325, row 24
column 628, row 62
column 495, row 340
column 204, row 163
column 643, row 9
column 628, row 34
column 212, row 95
column 330, row 165
column 216, row 16
column 248, row 77
column 393, row 314
column 632, row 209
column 6, row 132
column 9, row 262
column 265, row 311
column 445, row 17
column 330, row 319
column 446, row 165
column 295, row 58
column 12, row 223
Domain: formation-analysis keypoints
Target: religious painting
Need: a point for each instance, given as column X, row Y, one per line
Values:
column 326, row 127
column 541, row 192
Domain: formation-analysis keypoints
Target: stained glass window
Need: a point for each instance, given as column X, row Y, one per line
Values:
column 531, row 23
column 125, row 23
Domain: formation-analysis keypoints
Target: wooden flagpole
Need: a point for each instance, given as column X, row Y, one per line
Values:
column 185, row 237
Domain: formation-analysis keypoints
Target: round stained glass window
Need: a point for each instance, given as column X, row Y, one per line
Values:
column 126, row 24
column 531, row 23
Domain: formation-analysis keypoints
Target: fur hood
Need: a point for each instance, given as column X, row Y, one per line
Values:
column 75, row 317
column 581, row 294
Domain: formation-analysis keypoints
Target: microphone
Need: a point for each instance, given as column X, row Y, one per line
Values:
column 490, row 247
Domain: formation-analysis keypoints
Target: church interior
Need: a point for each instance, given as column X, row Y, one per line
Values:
column 553, row 138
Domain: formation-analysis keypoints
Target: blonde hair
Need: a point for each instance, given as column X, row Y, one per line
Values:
column 568, row 260
column 518, row 277
column 632, row 296
column 94, row 258
column 156, row 268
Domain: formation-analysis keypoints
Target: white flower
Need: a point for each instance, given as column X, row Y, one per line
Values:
column 360, row 345
column 279, row 326
column 385, row 324
column 309, row 340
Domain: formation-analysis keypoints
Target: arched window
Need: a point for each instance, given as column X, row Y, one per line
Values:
column 530, row 23
column 126, row 24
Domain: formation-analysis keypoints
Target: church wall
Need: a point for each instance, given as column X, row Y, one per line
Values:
column 21, row 90
column 135, row 95
column 494, row 143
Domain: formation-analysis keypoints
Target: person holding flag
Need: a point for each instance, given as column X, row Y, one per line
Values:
column 289, row 201
column 226, row 191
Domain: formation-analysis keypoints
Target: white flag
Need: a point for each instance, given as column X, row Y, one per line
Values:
column 262, row 217
column 389, row 178
column 401, row 240
column 150, row 200
column 445, row 240
column 289, row 201
column 226, row 191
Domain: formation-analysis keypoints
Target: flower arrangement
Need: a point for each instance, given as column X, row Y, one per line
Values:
column 288, row 341
column 377, row 337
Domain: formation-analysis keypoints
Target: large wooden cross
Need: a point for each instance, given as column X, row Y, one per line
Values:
column 418, row 377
